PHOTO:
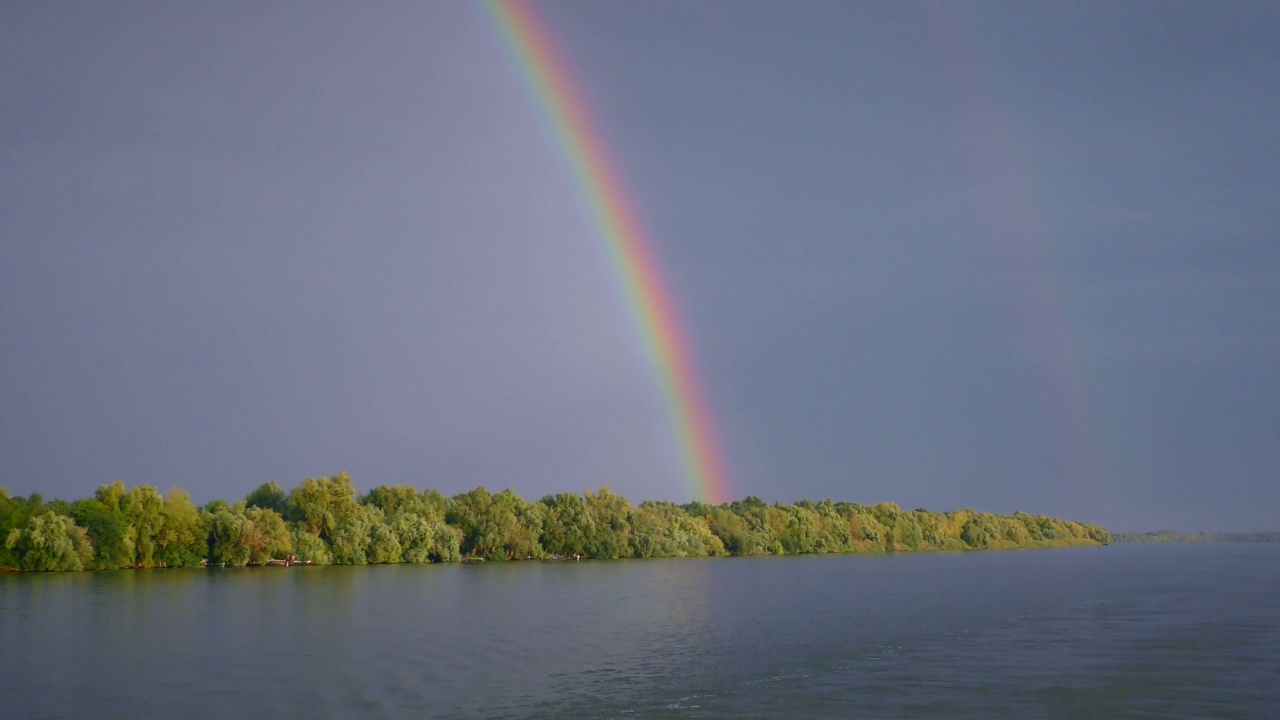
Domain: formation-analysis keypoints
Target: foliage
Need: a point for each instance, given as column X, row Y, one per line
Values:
column 324, row 520
column 143, row 513
column 269, row 496
column 103, row 516
column 183, row 535
column 14, row 513
column 50, row 542
column 497, row 527
column 326, row 507
column 309, row 548
column 240, row 534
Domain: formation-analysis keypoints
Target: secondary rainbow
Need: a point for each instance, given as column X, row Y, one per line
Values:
column 1014, row 224
column 629, row 249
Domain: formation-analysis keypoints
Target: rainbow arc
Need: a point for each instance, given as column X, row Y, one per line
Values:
column 629, row 248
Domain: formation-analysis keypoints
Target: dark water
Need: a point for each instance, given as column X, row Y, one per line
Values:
column 1128, row 631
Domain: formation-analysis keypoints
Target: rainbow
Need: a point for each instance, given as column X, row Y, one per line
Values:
column 630, row 252
column 1013, row 222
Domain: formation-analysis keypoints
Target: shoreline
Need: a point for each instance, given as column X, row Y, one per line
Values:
column 484, row 561
column 325, row 521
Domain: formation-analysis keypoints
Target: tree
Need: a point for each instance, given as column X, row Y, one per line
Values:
column 566, row 524
column 980, row 532
column 182, row 540
column 394, row 499
column 663, row 529
column 384, row 545
column 241, row 534
column 103, row 516
column 352, row 535
column 498, row 527
column 728, row 527
column 415, row 536
column 327, row 509
column 760, row 523
column 799, row 532
column 50, row 542
column 611, row 524
column 266, row 534
column 143, row 512
column 269, row 496
column 14, row 513
column 308, row 547
column 412, row 527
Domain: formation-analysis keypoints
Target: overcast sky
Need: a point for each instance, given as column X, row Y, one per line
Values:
column 1016, row 255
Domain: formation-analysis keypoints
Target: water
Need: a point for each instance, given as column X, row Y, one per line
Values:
column 1132, row 631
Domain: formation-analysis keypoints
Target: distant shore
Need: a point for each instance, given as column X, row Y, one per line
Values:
column 1173, row 536
column 326, row 521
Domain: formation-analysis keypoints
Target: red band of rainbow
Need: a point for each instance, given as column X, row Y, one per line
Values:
column 630, row 251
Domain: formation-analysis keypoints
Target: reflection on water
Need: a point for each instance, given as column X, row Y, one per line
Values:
column 1164, row 631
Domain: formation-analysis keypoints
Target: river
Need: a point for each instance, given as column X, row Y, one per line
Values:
column 1156, row 631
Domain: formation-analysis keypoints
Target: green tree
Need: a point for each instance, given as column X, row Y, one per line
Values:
column 394, row 499
column 566, row 524
column 611, row 525
column 799, row 533
column 982, row 531
column 144, row 514
column 384, row 544
column 663, row 529
column 103, row 516
column 266, row 534
column 182, row 540
column 308, row 547
column 227, row 543
column 327, row 509
column 14, row 514
column 50, row 542
column 1099, row 534
column 761, row 523
column 353, row 534
column 269, row 496
column 415, row 536
column 241, row 534
column 498, row 527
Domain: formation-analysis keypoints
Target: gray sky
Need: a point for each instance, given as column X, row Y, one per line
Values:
column 1016, row 255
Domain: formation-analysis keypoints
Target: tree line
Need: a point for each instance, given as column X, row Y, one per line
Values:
column 1173, row 536
column 326, row 521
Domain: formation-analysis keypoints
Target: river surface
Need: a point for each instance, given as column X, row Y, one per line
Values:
column 1122, row 631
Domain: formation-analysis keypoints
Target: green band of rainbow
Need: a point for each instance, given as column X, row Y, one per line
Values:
column 630, row 252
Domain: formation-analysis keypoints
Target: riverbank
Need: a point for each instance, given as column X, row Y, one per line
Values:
column 1173, row 536
column 326, row 521
column 1001, row 547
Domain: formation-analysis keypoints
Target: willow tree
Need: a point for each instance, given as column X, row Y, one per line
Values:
column 241, row 534
column 414, row 523
column 611, row 523
column 498, row 527
column 664, row 529
column 326, row 507
column 270, row 496
column 104, row 517
column 566, row 524
column 50, row 542
column 144, row 515
column 182, row 539
column 14, row 514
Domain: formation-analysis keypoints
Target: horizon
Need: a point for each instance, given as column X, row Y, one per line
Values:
column 947, row 255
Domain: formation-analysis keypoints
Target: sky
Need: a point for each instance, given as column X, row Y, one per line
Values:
column 1006, row 255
